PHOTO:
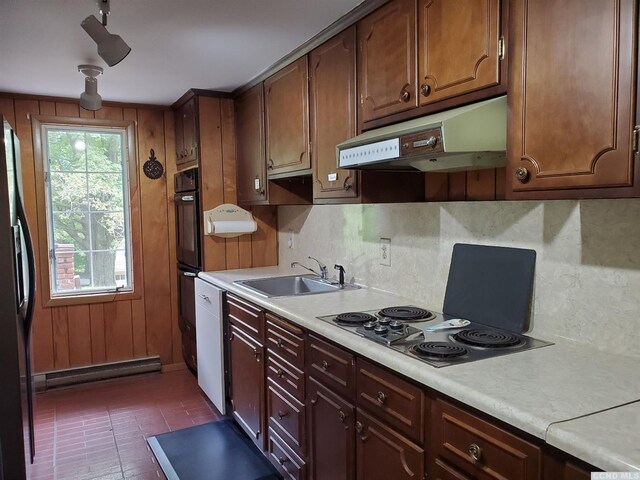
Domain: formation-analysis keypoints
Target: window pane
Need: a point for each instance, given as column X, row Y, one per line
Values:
column 66, row 150
column 104, row 152
column 104, row 269
column 107, row 231
column 87, row 206
column 71, row 229
column 106, row 192
column 69, row 192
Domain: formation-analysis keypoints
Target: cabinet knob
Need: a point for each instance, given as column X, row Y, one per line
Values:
column 270, row 164
column 405, row 96
column 342, row 416
column 280, row 373
column 522, row 175
column 425, row 90
column 256, row 353
column 359, row 426
column 279, row 342
column 282, row 460
column 475, row 452
column 382, row 398
column 281, row 414
column 324, row 365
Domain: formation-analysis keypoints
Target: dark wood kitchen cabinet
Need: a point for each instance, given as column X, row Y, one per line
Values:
column 572, row 99
column 383, row 453
column 251, row 167
column 287, row 121
column 247, row 370
column 331, row 421
column 186, row 129
column 466, row 443
column 333, row 114
column 387, row 60
column 459, row 47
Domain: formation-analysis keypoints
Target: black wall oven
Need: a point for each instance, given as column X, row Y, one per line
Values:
column 187, row 207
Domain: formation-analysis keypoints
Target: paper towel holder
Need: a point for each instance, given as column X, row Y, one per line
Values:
column 230, row 220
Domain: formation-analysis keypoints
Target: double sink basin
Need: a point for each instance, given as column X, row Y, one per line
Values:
column 291, row 286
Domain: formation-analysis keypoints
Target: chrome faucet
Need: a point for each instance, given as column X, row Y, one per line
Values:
column 323, row 268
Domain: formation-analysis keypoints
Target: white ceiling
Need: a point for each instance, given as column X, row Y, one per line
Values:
column 176, row 44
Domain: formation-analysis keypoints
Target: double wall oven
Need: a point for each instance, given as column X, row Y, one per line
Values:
column 187, row 208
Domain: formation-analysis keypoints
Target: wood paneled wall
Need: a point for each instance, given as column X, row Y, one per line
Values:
column 218, row 153
column 79, row 335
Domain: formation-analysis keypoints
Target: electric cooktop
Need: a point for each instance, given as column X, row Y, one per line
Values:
column 406, row 329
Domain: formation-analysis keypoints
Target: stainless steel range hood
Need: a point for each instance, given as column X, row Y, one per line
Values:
column 466, row 138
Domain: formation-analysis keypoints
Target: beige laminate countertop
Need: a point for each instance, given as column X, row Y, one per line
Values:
column 530, row 390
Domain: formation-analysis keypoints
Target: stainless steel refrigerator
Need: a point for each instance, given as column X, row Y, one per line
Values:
column 17, row 289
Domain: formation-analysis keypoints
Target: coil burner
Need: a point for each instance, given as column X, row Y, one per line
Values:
column 486, row 338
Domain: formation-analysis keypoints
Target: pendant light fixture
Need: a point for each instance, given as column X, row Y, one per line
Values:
column 90, row 99
column 112, row 48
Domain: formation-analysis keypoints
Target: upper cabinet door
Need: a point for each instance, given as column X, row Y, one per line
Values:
column 387, row 60
column 189, row 116
column 333, row 113
column 572, row 99
column 250, row 159
column 287, row 119
column 458, row 47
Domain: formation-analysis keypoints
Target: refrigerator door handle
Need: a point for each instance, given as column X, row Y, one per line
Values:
column 27, row 315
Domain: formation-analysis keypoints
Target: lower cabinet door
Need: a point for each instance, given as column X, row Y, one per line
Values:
column 247, row 384
column 441, row 470
column 331, row 423
column 383, row 454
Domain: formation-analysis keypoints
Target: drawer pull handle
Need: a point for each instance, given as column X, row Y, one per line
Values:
column 475, row 452
column 342, row 416
column 205, row 297
column 256, row 354
column 359, row 426
column 382, row 398
column 324, row 365
column 280, row 373
column 282, row 460
column 279, row 342
column 281, row 414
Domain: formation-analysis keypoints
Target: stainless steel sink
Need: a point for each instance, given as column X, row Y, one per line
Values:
column 291, row 286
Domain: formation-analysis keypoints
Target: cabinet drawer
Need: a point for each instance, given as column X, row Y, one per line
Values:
column 246, row 316
column 332, row 366
column 481, row 448
column 389, row 398
column 285, row 460
column 286, row 376
column 285, row 340
column 287, row 417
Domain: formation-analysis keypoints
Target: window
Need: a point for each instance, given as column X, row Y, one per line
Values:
column 87, row 192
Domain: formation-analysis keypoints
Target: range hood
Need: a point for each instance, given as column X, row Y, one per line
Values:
column 466, row 138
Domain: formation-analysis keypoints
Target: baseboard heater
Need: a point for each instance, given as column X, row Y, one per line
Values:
column 103, row 371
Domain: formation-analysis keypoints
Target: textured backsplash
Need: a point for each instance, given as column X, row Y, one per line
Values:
column 587, row 283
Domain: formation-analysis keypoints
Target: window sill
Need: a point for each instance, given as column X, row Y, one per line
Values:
column 89, row 299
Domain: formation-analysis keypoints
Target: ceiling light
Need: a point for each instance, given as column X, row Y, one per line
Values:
column 90, row 99
column 111, row 47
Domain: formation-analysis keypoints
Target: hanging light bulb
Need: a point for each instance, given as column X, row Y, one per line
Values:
column 90, row 99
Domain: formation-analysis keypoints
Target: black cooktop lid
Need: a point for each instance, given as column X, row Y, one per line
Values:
column 490, row 285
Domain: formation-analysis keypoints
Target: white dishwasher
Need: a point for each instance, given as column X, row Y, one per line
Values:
column 210, row 341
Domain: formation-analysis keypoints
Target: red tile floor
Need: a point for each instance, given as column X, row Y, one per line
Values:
column 99, row 430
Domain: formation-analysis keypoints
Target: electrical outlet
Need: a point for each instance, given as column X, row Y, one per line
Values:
column 385, row 251
column 290, row 240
